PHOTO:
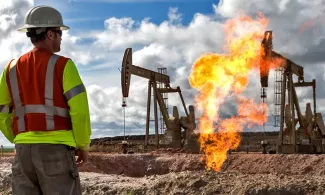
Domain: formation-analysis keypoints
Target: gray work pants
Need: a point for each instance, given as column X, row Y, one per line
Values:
column 48, row 169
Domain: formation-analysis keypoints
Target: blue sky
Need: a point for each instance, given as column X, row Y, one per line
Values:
column 91, row 14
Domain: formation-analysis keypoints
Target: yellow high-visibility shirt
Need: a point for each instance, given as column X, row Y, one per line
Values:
column 78, row 137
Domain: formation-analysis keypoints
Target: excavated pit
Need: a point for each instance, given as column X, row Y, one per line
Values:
column 140, row 165
column 180, row 173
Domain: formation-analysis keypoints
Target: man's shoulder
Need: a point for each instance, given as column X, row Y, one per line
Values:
column 63, row 59
column 10, row 62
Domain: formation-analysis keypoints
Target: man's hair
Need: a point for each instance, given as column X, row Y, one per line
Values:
column 37, row 34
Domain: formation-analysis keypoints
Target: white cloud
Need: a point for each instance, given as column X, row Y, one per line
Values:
column 12, row 43
column 80, row 54
column 173, row 16
column 175, row 46
column 121, row 33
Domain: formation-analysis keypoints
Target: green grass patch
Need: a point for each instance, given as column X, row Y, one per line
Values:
column 8, row 150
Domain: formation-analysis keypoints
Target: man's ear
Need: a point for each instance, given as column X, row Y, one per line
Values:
column 50, row 35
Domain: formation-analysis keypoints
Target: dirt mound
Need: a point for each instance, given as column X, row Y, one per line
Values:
column 172, row 172
column 203, row 182
column 195, row 182
column 294, row 164
column 164, row 161
column 180, row 173
column 139, row 165
column 170, row 151
column 6, row 159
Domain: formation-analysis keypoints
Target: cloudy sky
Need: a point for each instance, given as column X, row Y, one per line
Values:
column 170, row 34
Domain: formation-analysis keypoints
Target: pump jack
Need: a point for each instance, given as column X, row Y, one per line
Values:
column 309, row 136
column 173, row 137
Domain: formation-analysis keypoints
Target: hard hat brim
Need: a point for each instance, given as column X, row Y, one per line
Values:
column 25, row 27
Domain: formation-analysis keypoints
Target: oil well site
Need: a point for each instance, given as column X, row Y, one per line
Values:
column 190, row 154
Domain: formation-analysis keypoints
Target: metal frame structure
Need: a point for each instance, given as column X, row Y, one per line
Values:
column 278, row 81
column 286, row 87
column 165, row 99
column 128, row 69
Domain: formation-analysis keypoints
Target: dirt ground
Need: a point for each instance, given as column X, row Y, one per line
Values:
column 180, row 173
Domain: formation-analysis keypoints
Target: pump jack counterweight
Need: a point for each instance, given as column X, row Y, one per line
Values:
column 309, row 137
column 172, row 137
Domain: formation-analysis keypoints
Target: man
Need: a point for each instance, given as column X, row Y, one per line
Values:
column 44, row 111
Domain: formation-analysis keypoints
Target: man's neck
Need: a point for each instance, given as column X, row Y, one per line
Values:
column 43, row 46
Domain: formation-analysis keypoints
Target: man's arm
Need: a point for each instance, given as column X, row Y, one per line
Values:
column 78, row 102
column 6, row 117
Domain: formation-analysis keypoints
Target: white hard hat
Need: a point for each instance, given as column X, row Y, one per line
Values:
column 43, row 17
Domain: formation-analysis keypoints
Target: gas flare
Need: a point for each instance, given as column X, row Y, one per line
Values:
column 218, row 76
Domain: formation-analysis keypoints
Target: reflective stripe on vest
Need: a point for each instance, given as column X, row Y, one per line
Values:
column 48, row 109
column 74, row 91
column 5, row 109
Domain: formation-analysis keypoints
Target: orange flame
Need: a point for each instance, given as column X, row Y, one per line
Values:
column 217, row 76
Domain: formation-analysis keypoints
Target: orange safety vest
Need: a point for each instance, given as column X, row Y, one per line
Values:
column 35, row 85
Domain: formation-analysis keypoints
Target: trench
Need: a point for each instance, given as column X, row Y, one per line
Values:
column 181, row 173
column 140, row 165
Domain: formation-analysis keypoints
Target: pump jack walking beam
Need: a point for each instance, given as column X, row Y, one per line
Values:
column 128, row 69
column 290, row 69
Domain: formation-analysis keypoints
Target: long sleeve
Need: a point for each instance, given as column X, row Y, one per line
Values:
column 79, row 110
column 6, row 117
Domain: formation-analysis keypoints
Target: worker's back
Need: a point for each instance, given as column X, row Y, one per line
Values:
column 44, row 111
column 34, row 80
column 32, row 72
